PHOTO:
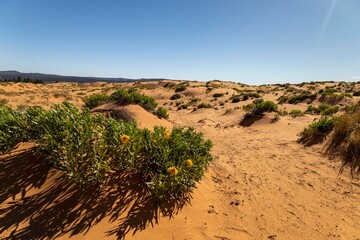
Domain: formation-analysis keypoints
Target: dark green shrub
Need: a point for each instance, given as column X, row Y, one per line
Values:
column 283, row 99
column 162, row 113
column 180, row 88
column 204, row 105
column 216, row 95
column 301, row 97
column 91, row 149
column 12, row 128
column 183, row 106
column 356, row 94
column 235, row 99
column 132, row 96
column 175, row 96
column 260, row 106
column 96, row 100
column 312, row 110
column 295, row 113
column 317, row 131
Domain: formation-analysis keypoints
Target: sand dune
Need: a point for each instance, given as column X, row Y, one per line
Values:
column 262, row 184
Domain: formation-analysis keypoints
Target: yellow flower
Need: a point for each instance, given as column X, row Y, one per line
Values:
column 189, row 163
column 167, row 134
column 154, row 141
column 173, row 171
column 125, row 138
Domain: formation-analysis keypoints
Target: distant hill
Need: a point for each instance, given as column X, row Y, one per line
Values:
column 11, row 75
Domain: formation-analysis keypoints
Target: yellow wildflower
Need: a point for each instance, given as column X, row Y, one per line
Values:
column 154, row 141
column 173, row 171
column 189, row 163
column 125, row 138
column 167, row 134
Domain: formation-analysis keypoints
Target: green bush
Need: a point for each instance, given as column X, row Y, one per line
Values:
column 235, row 99
column 180, row 88
column 132, row 96
column 123, row 97
column 312, row 110
column 96, row 100
column 12, row 128
column 216, row 95
column 296, row 113
column 162, row 113
column 317, row 131
column 90, row 149
column 204, row 105
column 301, row 97
column 175, row 96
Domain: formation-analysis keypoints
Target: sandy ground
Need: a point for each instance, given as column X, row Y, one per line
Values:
column 262, row 184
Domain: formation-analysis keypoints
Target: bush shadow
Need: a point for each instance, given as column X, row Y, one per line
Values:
column 249, row 119
column 58, row 208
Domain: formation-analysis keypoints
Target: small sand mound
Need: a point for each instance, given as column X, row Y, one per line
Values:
column 129, row 113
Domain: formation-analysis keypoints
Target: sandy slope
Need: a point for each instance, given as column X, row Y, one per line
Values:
column 262, row 184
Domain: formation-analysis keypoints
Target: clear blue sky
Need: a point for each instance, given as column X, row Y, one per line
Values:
column 249, row 41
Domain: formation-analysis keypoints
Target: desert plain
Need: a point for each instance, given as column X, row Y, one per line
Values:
column 262, row 183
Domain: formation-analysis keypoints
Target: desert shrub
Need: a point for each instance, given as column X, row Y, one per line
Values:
column 169, row 85
column 216, row 95
column 175, row 96
column 253, row 94
column 96, row 100
column 328, row 91
column 235, row 99
column 331, row 99
column 327, row 110
column 353, row 108
column 283, row 99
column 312, row 110
column 265, row 106
column 182, row 106
column 180, row 88
column 301, row 97
column 317, row 131
column 296, row 113
column 12, row 128
column 356, row 94
column 345, row 142
column 259, row 106
column 132, row 96
column 204, row 105
column 162, row 113
column 245, row 97
column 90, row 149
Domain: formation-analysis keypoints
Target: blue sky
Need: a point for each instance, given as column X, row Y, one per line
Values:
column 249, row 41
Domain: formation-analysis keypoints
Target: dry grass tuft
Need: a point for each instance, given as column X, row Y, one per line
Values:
column 345, row 142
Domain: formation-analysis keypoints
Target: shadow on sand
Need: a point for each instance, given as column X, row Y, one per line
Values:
column 59, row 209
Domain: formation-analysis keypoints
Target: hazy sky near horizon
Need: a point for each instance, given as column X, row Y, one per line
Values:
column 249, row 41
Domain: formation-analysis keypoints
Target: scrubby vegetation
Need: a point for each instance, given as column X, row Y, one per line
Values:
column 296, row 113
column 175, row 96
column 345, row 141
column 124, row 97
column 90, row 149
column 317, row 131
column 323, row 109
column 259, row 106
column 301, row 97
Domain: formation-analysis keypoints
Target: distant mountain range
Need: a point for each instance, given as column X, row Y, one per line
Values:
column 10, row 75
